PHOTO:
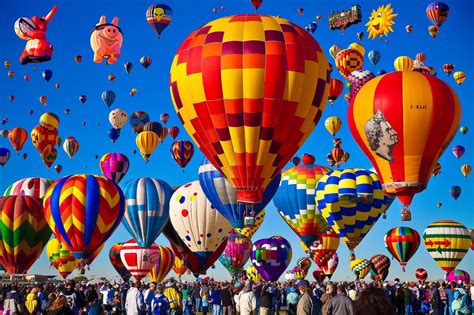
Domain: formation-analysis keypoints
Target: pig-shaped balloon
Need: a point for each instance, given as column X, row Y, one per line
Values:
column 106, row 40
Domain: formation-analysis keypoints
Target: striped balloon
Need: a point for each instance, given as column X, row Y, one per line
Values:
column 60, row 257
column 182, row 151
column 52, row 251
column 447, row 242
column 402, row 242
column 139, row 261
column 116, row 261
column 83, row 211
column 114, row 166
column 295, row 201
column 458, row 275
column 382, row 121
column 236, row 253
column 147, row 141
column 223, row 197
column 163, row 265
column 179, row 267
column 256, row 126
column 351, row 201
column 299, row 273
column 360, row 267
column 271, row 256
column 23, row 232
column 70, row 146
column 437, row 12
column 380, row 266
column 147, row 208
column 31, row 186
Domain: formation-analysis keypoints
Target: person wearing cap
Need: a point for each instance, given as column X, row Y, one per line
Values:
column 340, row 304
column 134, row 303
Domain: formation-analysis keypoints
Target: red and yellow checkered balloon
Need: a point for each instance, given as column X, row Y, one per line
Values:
column 249, row 89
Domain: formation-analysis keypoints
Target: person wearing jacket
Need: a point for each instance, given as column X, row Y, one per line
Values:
column 10, row 304
column 148, row 296
column 461, row 302
column 31, row 304
column 197, row 297
column 73, row 298
column 246, row 301
column 134, row 304
column 292, row 301
column 60, row 306
column 216, row 299
column 265, row 300
column 173, row 296
column 308, row 304
column 159, row 304
column 340, row 304
column 326, row 297
column 227, row 300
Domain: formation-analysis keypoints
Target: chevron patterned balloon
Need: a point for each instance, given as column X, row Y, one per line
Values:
column 83, row 211
column 351, row 201
column 31, row 186
column 380, row 266
column 447, row 242
column 163, row 265
column 360, row 267
column 271, row 256
column 147, row 208
column 182, row 151
column 23, row 232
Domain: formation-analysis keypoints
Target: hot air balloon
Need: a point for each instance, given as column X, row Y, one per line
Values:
column 82, row 98
column 128, row 66
column 421, row 274
column 436, row 170
column 303, row 263
column 448, row 68
column 94, row 221
column 455, row 191
column 290, row 275
column 459, row 77
column 23, row 232
column 52, row 251
column 253, row 163
column 58, row 168
column 253, row 274
column 31, row 186
column 334, row 50
column 163, row 265
column 145, row 61
column 433, row 30
column 380, row 266
column 133, row 91
column 108, row 97
column 358, row 78
column 111, row 77
column 11, row 98
column 349, row 60
column 330, row 266
column 17, row 137
column 409, row 28
column 296, row 160
column 114, row 166
column 137, row 260
column 447, row 242
column 146, row 141
column 113, row 134
column 147, row 208
column 116, row 261
column 43, row 100
column 458, row 275
column 47, row 74
column 324, row 248
column 295, row 201
column 256, row 4
column 333, row 124
column 466, row 169
column 381, row 21
column 351, row 201
column 173, row 131
column 335, row 89
column 403, row 162
column 403, row 63
column 138, row 121
column 4, row 156
column 200, row 226
column 118, row 118
column 164, row 117
column 250, row 230
column 437, row 13
column 182, row 151
column 236, row 253
column 300, row 274
column 374, row 56
column 70, row 146
column 159, row 16
column 224, row 198
column 179, row 267
column 60, row 257
column 458, row 151
column 271, row 256
column 360, row 267
column 402, row 242
column 49, row 119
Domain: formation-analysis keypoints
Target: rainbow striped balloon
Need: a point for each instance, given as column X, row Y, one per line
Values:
column 351, row 201
column 447, row 242
column 402, row 242
column 163, row 265
column 83, row 211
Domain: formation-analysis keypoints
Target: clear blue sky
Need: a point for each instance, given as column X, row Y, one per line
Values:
column 70, row 30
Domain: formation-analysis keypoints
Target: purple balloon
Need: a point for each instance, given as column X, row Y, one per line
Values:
column 458, row 151
column 358, row 78
column 458, row 275
column 271, row 256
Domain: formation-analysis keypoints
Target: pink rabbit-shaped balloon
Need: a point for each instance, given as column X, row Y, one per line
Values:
column 106, row 40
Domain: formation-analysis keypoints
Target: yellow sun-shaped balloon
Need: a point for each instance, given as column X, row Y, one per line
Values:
column 381, row 21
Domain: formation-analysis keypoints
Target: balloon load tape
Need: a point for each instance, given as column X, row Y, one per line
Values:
column 249, row 221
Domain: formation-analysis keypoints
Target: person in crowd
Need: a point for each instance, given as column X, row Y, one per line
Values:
column 12, row 303
column 246, row 300
column 326, row 297
column 73, row 298
column 32, row 304
column 305, row 304
column 373, row 301
column 292, row 301
column 60, row 306
column 265, row 300
column 148, row 296
column 340, row 304
column 116, row 304
column 134, row 304
column 227, row 299
column 461, row 303
column 197, row 297
column 174, row 298
column 160, row 304
column 435, row 299
column 215, row 299
column 186, row 291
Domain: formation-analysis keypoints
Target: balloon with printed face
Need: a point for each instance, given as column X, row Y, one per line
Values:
column 250, row 151
column 147, row 208
column 271, row 256
column 159, row 16
column 139, row 261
